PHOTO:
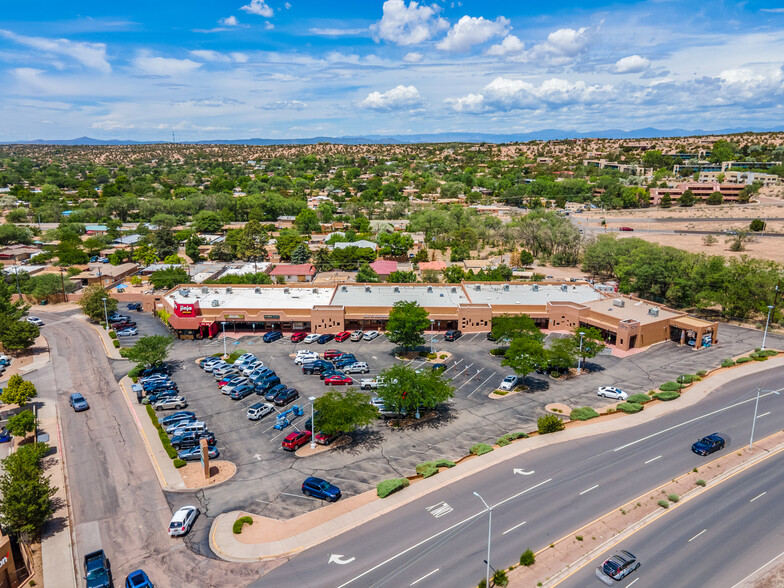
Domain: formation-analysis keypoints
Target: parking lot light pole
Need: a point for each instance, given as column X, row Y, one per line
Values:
column 754, row 420
column 767, row 322
column 105, row 315
column 489, row 529
column 312, row 423
column 431, row 335
column 223, row 324
column 580, row 359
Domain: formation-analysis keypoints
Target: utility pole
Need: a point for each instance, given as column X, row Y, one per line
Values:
column 62, row 283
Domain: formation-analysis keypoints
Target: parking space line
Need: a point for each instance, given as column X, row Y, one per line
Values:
column 513, row 528
column 470, row 377
column 763, row 414
column 482, row 384
column 298, row 496
column 453, row 365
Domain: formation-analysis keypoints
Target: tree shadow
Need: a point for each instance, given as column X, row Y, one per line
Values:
column 435, row 418
column 535, row 385
column 361, row 440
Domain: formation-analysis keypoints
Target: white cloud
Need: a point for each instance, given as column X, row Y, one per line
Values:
column 258, row 7
column 164, row 66
column 773, row 10
column 631, row 64
column 471, row 30
column 413, row 57
column 287, row 5
column 92, row 55
column 399, row 97
column 239, row 57
column 408, row 25
column 332, row 32
column 229, row 21
column 510, row 44
column 112, row 125
column 560, row 48
column 207, row 55
column 269, row 26
column 284, row 105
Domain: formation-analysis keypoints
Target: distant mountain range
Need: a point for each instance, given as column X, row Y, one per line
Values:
column 541, row 135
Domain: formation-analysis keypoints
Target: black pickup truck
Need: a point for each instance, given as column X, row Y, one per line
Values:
column 97, row 570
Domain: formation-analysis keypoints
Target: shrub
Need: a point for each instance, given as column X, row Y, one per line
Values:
column 430, row 468
column 241, row 522
column 482, row 583
column 235, row 355
column 663, row 504
column 527, row 558
column 112, row 334
column 768, row 352
column 583, row 414
column 135, row 371
column 673, row 497
column 422, row 354
column 685, row 379
column 700, row 482
column 387, row 487
column 480, row 449
column 499, row 578
column 670, row 387
column 702, row 373
column 431, row 356
column 498, row 351
column 728, row 363
column 116, row 344
column 759, row 357
column 179, row 463
column 153, row 417
column 500, row 392
column 549, row 423
column 509, row 437
column 665, row 396
column 579, row 537
column 743, row 360
column 170, row 451
column 639, row 398
column 555, row 375
column 629, row 407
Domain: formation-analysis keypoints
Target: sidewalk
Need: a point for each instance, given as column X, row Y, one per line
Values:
column 331, row 520
column 103, row 334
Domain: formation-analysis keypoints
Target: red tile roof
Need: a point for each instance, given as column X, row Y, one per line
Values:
column 432, row 265
column 383, row 267
column 303, row 269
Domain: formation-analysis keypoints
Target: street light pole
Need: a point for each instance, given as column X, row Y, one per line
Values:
column 312, row 423
column 754, row 421
column 105, row 313
column 580, row 359
column 223, row 324
column 489, row 530
column 767, row 322
column 431, row 335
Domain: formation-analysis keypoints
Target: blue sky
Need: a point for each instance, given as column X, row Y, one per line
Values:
column 263, row 68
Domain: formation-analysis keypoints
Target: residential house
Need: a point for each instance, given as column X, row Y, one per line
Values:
column 303, row 272
column 383, row 268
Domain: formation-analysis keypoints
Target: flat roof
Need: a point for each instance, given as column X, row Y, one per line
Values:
column 242, row 297
column 526, row 294
column 637, row 310
column 387, row 295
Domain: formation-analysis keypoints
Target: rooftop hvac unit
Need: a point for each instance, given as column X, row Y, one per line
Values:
column 619, row 302
column 204, row 289
column 430, row 288
column 478, row 287
column 367, row 288
column 343, row 289
column 185, row 292
column 286, row 290
column 396, row 289
column 506, row 287
column 314, row 290
column 257, row 290
column 653, row 311
column 214, row 302
column 564, row 287
column 228, row 290
column 535, row 287
column 454, row 290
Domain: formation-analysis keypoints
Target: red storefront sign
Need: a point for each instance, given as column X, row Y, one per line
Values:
column 187, row 309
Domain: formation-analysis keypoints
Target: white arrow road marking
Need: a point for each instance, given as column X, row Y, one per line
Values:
column 338, row 559
column 522, row 472
column 258, row 457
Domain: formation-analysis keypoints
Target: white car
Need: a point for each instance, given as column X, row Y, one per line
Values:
column 171, row 403
column 509, row 383
column 249, row 368
column 371, row 383
column 182, row 521
column 312, row 338
column 357, row 335
column 259, row 410
column 359, row 367
column 612, row 392
column 305, row 357
column 214, row 366
column 370, row 335
column 35, row 321
column 244, row 358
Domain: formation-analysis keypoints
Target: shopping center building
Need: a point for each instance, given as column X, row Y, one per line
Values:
column 197, row 312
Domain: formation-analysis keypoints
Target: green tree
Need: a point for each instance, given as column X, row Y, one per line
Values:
column 252, row 242
column 561, row 354
column 500, row 579
column 169, row 277
column 524, row 355
column 757, row 225
column 402, row 277
column 207, row 222
column 307, row 222
column 17, row 334
column 406, row 390
column 714, row 199
column 666, row 201
column 352, row 257
column 454, row 274
column 145, row 254
column 342, row 412
column 26, row 502
column 394, row 244
column 323, row 259
column 149, row 351
column 192, row 248
column 22, row 423
column 288, row 240
column 407, row 322
column 42, row 286
column 512, row 327
column 367, row 274
column 18, row 391
column 687, row 199
column 301, row 254
column 722, row 151
column 164, row 242
column 92, row 302
column 737, row 239
column 593, row 344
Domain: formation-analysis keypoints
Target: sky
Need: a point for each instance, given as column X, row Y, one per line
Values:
column 264, row 68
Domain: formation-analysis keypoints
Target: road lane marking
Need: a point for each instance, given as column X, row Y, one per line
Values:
column 763, row 414
column 760, row 496
column 651, row 460
column 425, row 576
column 695, row 419
column 755, row 572
column 632, row 582
column 513, row 528
column 505, row 500
column 589, row 489
column 697, row 535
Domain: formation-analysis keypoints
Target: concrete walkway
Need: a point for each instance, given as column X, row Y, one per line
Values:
column 335, row 522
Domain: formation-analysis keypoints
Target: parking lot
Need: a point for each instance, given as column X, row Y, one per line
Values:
column 268, row 479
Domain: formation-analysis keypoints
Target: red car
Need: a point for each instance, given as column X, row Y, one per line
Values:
column 625, row 229
column 123, row 325
column 340, row 337
column 295, row 440
column 337, row 381
column 332, row 353
column 323, row 439
column 298, row 336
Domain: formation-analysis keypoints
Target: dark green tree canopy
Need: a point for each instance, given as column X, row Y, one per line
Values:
column 149, row 351
column 407, row 322
column 342, row 412
column 404, row 389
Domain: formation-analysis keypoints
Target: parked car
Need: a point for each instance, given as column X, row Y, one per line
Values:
column 298, row 336
column 249, row 367
column 305, row 357
column 154, row 378
column 98, row 570
column 343, row 363
column 242, row 391
column 189, row 427
column 266, row 384
column 312, row 338
column 316, row 367
column 357, row 335
column 159, row 386
column 625, row 229
column 171, row 403
column 160, row 395
column 377, row 402
column 342, row 336
column 491, row 337
column 259, row 374
column 438, row 367
column 118, row 318
column 371, row 383
column 708, row 445
column 319, row 488
column 270, row 394
column 77, row 402
column 620, row 565
column 4, row 359
column 213, row 366
column 329, row 373
column 232, row 380
column 612, row 392
column 183, row 415
column 124, row 325
column 452, row 335
column 182, row 521
column 244, row 358
column 324, row 439
column 358, row 367
column 194, row 453
column 131, row 332
column 208, row 363
column 158, row 369
column 338, row 380
column 225, row 370
column 286, row 396
column 259, row 410
column 370, row 335
column 137, row 306
column 192, row 439
column 509, row 383
column 178, row 426
column 325, row 338
column 138, row 579
column 295, row 440
column 230, row 388
column 332, row 353
column 35, row 321
column 272, row 336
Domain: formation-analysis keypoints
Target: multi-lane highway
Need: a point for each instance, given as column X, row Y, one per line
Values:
column 441, row 539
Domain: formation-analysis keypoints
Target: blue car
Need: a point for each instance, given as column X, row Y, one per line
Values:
column 708, row 445
column 77, row 402
column 319, row 488
column 138, row 579
column 325, row 338
column 194, row 453
column 182, row 415
column 272, row 336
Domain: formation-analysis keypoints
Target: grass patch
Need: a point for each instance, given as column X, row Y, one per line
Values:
column 663, row 504
column 498, row 351
column 579, row 537
column 629, row 407
column 583, row 414
column 112, row 334
column 480, row 449
column 500, row 392
column 430, row 468
column 665, row 396
column 241, row 522
column 235, row 355
column 640, row 398
column 387, row 487
column 509, row 437
column 116, row 344
column 673, row 497
column 135, row 371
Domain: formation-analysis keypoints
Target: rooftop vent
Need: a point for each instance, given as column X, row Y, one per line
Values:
column 314, row 290
column 367, row 289
column 343, row 289
column 286, row 290
column 396, row 289
column 214, row 302
column 228, row 290
column 257, row 290
column 619, row 302
column 564, row 287
column 185, row 292
column 204, row 289
column 506, row 287
column 441, row 295
column 535, row 288
column 653, row 311
column 454, row 290
column 430, row 288
column 478, row 287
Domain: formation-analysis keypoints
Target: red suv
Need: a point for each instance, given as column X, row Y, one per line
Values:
column 298, row 336
column 123, row 325
column 340, row 337
column 332, row 353
column 295, row 440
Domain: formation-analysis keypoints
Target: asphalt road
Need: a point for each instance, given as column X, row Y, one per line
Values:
column 717, row 539
column 443, row 536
